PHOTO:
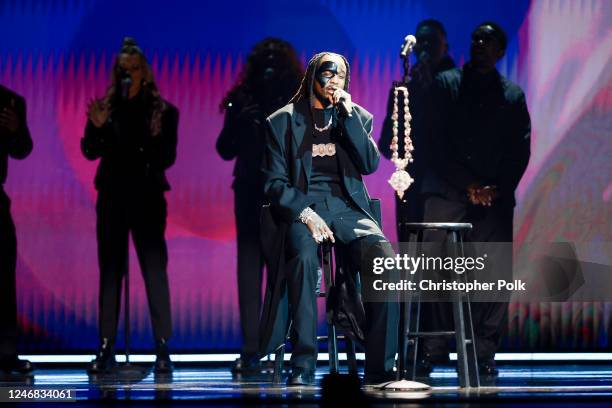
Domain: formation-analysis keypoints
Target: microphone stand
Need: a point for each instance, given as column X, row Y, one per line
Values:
column 406, row 50
column 406, row 63
column 400, row 181
column 127, row 370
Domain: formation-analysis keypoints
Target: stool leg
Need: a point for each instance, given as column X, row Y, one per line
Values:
column 332, row 348
column 465, row 345
column 403, row 332
column 470, row 342
column 472, row 356
column 279, row 359
column 416, row 321
column 332, row 342
column 403, row 338
column 462, row 365
column 415, row 343
column 460, row 340
column 405, row 324
column 350, row 355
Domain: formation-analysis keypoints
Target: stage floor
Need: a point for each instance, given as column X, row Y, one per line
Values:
column 542, row 384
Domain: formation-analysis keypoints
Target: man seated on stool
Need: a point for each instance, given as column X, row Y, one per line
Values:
column 317, row 149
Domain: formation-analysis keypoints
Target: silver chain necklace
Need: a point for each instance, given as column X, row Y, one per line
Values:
column 324, row 128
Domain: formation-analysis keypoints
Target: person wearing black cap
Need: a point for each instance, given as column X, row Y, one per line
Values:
column 269, row 79
column 133, row 131
column 431, row 52
column 15, row 142
column 478, row 150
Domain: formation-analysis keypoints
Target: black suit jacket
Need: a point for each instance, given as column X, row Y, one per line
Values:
column 287, row 165
column 17, row 145
column 288, row 159
column 243, row 138
column 156, row 153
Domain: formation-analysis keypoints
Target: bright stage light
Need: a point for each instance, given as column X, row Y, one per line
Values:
column 225, row 358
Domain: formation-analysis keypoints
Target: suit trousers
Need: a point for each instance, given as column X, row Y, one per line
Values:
column 8, row 266
column 247, row 208
column 143, row 214
column 359, row 235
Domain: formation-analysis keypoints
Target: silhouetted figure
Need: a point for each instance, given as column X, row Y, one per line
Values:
column 318, row 147
column 478, row 149
column 269, row 79
column 15, row 142
column 133, row 131
column 431, row 52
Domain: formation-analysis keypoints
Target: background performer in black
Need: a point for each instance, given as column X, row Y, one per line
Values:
column 269, row 79
column 15, row 142
column 134, row 133
column 479, row 149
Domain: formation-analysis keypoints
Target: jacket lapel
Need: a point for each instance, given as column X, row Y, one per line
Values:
column 302, row 142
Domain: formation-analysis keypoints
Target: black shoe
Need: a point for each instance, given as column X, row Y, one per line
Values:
column 424, row 367
column 105, row 359
column 301, row 377
column 379, row 378
column 15, row 365
column 438, row 359
column 246, row 364
column 488, row 368
column 163, row 364
column 425, row 364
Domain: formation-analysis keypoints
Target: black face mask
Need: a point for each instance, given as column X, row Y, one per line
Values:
column 327, row 66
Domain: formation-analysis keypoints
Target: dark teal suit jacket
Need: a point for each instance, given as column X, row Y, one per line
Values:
column 288, row 159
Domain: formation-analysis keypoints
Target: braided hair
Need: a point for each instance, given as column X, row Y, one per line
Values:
column 306, row 89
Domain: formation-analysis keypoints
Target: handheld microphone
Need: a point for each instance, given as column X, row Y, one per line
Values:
column 126, row 82
column 342, row 109
column 407, row 46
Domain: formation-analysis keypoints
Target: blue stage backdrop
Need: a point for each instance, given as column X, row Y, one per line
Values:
column 58, row 54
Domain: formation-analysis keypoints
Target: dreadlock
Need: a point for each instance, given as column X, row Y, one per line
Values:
column 306, row 85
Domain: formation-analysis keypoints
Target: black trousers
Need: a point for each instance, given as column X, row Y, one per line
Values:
column 143, row 214
column 8, row 266
column 247, row 209
column 490, row 319
column 360, row 235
